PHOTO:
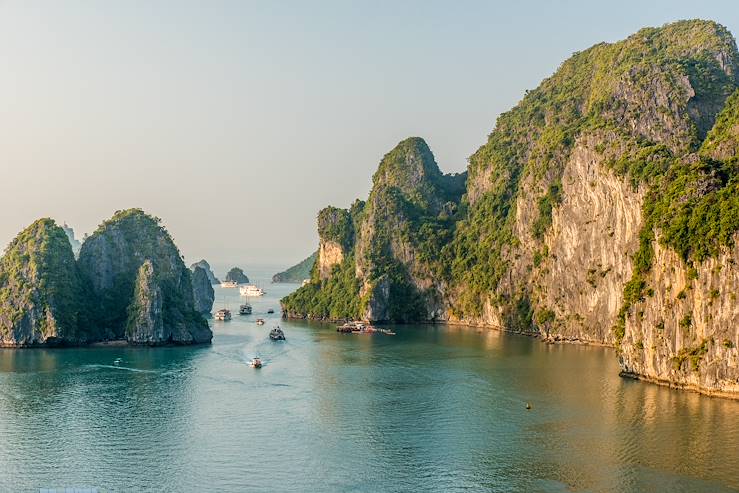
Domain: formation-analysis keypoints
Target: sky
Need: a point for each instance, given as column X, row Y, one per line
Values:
column 236, row 122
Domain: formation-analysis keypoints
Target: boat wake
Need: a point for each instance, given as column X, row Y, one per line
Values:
column 118, row 367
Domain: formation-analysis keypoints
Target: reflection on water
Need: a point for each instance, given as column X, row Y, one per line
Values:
column 432, row 409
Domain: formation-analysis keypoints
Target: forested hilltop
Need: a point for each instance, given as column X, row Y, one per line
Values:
column 603, row 208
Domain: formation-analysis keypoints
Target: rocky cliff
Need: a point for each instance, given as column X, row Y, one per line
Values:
column 202, row 291
column 206, row 266
column 137, row 279
column 41, row 294
column 298, row 272
column 600, row 210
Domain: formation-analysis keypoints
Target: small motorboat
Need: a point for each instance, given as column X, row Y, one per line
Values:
column 255, row 363
column 270, row 310
column 260, row 321
column 245, row 309
column 223, row 315
column 277, row 334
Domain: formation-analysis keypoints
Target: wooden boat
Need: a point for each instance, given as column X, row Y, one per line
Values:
column 223, row 315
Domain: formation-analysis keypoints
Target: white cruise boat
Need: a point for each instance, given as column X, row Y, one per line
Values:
column 229, row 284
column 251, row 290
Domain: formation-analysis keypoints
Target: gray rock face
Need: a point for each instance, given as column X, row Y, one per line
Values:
column 145, row 314
column 206, row 266
column 202, row 291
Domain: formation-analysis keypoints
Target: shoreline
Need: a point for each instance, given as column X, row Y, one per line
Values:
column 685, row 387
column 115, row 343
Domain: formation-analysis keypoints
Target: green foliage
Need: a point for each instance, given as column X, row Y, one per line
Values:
column 545, row 205
column 693, row 354
column 336, row 298
column 336, row 225
column 544, row 317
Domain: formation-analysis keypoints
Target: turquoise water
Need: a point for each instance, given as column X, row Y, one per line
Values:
column 434, row 408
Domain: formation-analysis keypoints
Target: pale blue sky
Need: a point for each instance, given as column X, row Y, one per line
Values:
column 237, row 121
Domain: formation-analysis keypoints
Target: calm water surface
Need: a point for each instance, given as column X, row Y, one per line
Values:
column 433, row 409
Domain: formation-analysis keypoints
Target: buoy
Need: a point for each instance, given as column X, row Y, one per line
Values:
column 528, row 406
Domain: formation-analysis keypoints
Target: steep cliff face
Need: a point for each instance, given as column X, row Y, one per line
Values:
column 589, row 201
column 41, row 294
column 111, row 260
column 202, row 291
column 685, row 332
column 145, row 323
column 585, row 261
column 206, row 266
column 682, row 330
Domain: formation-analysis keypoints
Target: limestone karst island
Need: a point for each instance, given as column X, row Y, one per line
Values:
column 549, row 308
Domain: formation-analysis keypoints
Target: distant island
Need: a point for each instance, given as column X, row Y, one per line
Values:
column 73, row 241
column 237, row 275
column 129, row 284
column 299, row 272
column 603, row 209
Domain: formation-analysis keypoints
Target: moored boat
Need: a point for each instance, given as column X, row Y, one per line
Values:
column 245, row 309
column 223, row 315
column 355, row 327
column 251, row 290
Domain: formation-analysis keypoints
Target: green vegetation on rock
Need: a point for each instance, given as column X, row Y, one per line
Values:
column 41, row 295
column 110, row 261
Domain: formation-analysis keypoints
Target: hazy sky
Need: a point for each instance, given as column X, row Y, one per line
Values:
column 236, row 122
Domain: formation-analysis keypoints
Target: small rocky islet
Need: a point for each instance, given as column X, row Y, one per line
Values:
column 236, row 274
column 128, row 284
